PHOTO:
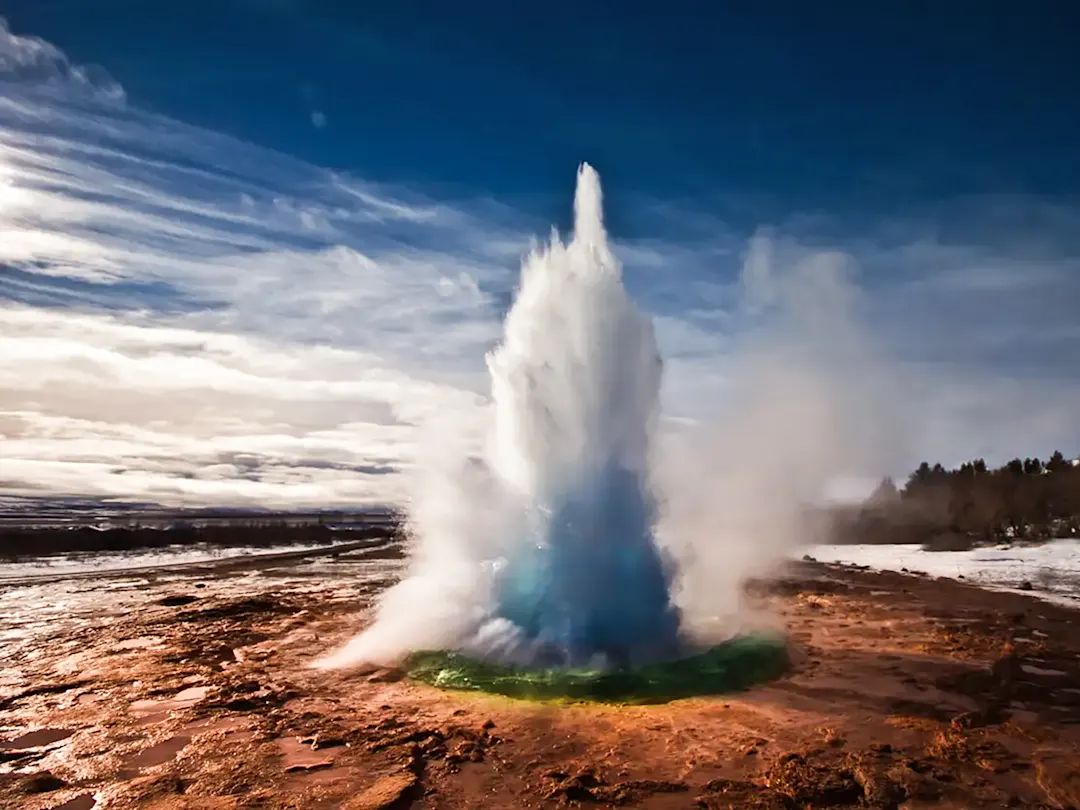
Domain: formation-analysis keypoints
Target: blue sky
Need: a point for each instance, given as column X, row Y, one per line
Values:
column 828, row 105
column 331, row 200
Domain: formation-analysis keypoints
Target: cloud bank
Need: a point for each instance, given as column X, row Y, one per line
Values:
column 190, row 319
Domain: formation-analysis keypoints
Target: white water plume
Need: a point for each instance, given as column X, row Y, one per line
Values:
column 555, row 548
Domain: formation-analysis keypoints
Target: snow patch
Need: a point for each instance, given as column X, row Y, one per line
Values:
column 1052, row 569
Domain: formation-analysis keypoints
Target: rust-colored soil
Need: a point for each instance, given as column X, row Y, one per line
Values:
column 906, row 693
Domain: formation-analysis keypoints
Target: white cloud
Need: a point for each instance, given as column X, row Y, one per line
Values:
column 32, row 60
column 139, row 410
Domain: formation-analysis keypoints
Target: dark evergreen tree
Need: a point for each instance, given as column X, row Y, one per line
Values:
column 886, row 493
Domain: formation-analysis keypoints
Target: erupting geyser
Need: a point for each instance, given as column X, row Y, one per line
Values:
column 546, row 557
column 576, row 385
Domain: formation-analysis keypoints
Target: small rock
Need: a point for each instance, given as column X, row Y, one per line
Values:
column 84, row 801
column 1026, row 586
column 385, row 793
column 391, row 675
column 43, row 782
column 879, row 790
column 361, row 670
column 318, row 742
column 488, row 725
column 415, row 762
column 177, row 601
column 808, row 558
column 1060, row 781
column 311, row 766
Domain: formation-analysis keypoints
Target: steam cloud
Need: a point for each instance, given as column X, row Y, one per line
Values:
column 584, row 536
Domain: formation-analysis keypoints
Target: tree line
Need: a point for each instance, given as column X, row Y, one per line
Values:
column 1026, row 500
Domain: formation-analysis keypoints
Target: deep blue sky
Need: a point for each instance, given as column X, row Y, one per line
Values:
column 838, row 105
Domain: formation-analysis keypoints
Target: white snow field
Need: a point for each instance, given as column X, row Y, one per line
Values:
column 1052, row 569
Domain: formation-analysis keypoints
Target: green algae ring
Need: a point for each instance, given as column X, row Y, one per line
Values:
column 732, row 666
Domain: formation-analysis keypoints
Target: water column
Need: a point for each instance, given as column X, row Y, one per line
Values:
column 576, row 384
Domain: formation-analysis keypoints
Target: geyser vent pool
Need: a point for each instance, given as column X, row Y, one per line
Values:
column 729, row 667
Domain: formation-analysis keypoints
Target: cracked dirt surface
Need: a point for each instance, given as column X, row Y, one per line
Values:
column 194, row 691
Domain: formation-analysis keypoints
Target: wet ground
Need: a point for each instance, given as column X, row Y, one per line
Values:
column 191, row 689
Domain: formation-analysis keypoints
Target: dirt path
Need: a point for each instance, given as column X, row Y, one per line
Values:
column 906, row 692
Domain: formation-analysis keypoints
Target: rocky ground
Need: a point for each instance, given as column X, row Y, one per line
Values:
column 194, row 691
